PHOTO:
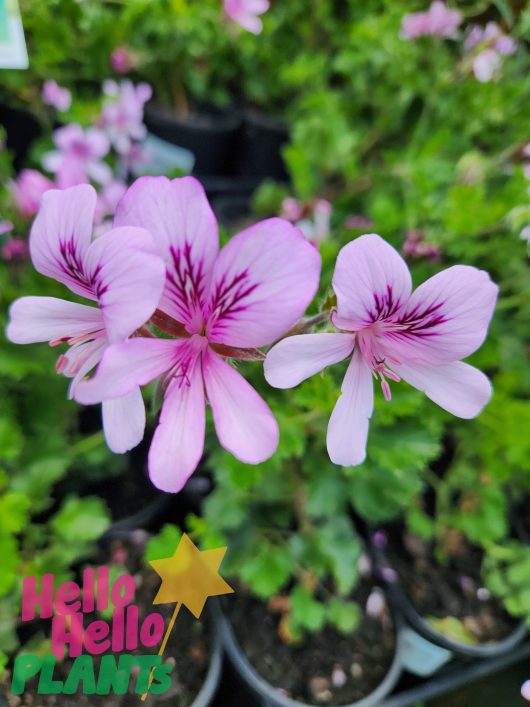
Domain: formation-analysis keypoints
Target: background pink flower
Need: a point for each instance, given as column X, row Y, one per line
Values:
column 492, row 44
column 246, row 295
column 439, row 21
column 122, row 60
column 391, row 333
column 246, row 13
column 5, row 227
column 27, row 191
column 492, row 36
column 123, row 113
column 15, row 249
column 79, row 156
column 56, row 96
column 486, row 65
column 119, row 272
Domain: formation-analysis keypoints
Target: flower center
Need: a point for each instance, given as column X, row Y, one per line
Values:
column 187, row 358
column 375, row 356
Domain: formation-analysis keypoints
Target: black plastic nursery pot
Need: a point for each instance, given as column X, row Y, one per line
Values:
column 206, row 695
column 22, row 128
column 442, row 647
column 259, row 151
column 209, row 133
column 262, row 694
column 233, row 211
column 203, row 698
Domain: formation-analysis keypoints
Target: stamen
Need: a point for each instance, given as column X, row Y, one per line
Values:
column 390, row 374
column 57, row 342
column 376, row 357
column 61, row 363
column 386, row 390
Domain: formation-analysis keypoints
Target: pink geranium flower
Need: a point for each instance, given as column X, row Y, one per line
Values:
column 56, row 96
column 491, row 36
column 439, row 21
column 486, row 64
column 122, row 60
column 123, row 113
column 491, row 44
column 391, row 333
column 119, row 272
column 14, row 249
column 246, row 13
column 217, row 303
column 28, row 189
column 79, row 156
column 5, row 227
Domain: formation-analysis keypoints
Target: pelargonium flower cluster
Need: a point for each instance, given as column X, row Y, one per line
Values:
column 247, row 13
column 487, row 45
column 312, row 218
column 56, row 96
column 122, row 115
column 80, row 155
column 169, row 305
column 437, row 21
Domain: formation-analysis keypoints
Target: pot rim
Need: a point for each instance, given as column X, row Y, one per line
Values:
column 211, row 682
column 224, row 121
column 400, row 598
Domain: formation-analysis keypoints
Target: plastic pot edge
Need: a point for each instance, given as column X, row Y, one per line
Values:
column 213, row 676
column 399, row 598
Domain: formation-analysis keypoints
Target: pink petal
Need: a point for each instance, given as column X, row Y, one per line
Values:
column 61, row 235
column 68, row 136
column 243, row 421
column 296, row 358
column 181, row 221
column 124, row 421
column 125, row 366
column 99, row 172
column 457, row 387
column 178, row 441
column 33, row 319
column 446, row 318
column 349, row 422
column 262, row 283
column 97, row 143
column 128, row 278
column 371, row 281
column 486, row 64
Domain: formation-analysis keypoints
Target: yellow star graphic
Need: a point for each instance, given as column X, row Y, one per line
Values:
column 190, row 576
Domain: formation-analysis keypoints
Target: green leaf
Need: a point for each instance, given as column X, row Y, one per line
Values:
column 344, row 615
column 11, row 441
column 14, row 509
column 306, row 611
column 10, row 561
column 341, row 546
column 268, row 571
column 420, row 523
column 164, row 544
column 81, row 520
column 453, row 628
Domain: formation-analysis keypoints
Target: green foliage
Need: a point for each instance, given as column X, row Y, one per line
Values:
column 507, row 574
column 163, row 544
